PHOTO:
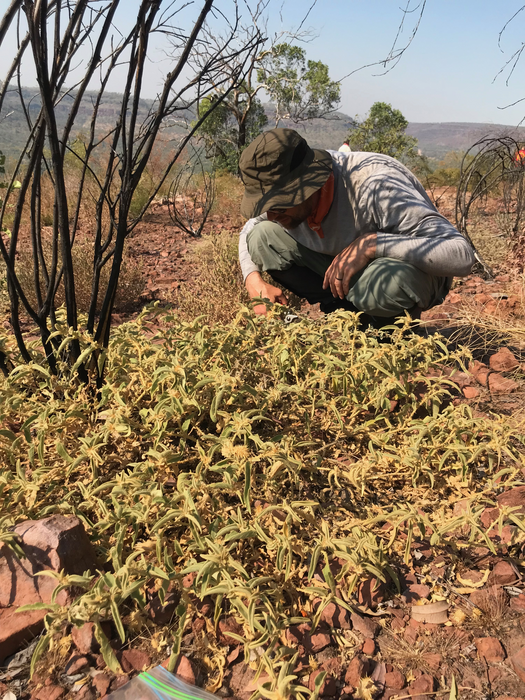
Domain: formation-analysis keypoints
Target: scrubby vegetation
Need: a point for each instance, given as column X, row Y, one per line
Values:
column 275, row 465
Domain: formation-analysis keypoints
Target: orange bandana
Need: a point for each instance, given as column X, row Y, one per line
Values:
column 325, row 202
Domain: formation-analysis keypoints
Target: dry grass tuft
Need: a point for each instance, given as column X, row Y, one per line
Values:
column 216, row 291
column 132, row 282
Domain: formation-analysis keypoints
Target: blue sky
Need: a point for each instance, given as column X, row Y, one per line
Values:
column 446, row 74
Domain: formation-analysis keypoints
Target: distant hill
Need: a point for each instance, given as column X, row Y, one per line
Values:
column 437, row 139
column 13, row 123
column 434, row 139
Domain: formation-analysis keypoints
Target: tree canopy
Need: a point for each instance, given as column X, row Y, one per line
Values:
column 299, row 89
column 383, row 131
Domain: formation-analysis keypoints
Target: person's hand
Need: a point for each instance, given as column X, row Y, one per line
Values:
column 349, row 261
column 257, row 287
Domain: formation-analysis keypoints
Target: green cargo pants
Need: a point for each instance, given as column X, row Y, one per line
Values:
column 386, row 287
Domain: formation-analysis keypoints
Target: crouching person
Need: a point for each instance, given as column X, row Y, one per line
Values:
column 352, row 231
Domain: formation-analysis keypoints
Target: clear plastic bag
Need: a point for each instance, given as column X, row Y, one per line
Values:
column 159, row 684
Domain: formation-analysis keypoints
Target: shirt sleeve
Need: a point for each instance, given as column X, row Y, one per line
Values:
column 247, row 264
column 410, row 228
column 436, row 248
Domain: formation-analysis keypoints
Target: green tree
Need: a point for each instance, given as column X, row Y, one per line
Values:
column 383, row 131
column 230, row 126
column 300, row 89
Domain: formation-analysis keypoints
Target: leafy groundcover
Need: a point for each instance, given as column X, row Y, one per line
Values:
column 273, row 468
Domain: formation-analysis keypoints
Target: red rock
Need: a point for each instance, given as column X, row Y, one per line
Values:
column 395, row 679
column 489, row 516
column 315, row 643
column 242, row 676
column 503, row 361
column 454, row 298
column 101, row 682
column 134, row 660
column 502, row 574
column 368, row 628
column 84, row 638
column 415, row 591
column 86, row 693
column 421, row 687
column 461, row 507
column 56, row 543
column 410, row 634
column 184, row 668
column 198, row 625
column 371, row 592
column 397, row 625
column 296, row 633
column 50, row 692
column 17, row 629
column 517, row 603
column 479, row 371
column 470, row 392
column 494, row 674
column 118, row 682
column 205, row 606
column 233, row 655
column 328, row 686
column 389, row 693
column 230, row 626
column 17, row 584
column 513, row 497
column 473, row 575
column 369, row 647
column 498, row 384
column 357, row 669
column 332, row 666
column 517, row 661
column 336, row 616
column 462, row 379
column 379, row 676
column 75, row 664
column 433, row 661
column 490, row 649
column 472, row 679
column 488, row 598
column 187, row 581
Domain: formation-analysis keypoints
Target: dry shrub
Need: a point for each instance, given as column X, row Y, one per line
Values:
column 229, row 190
column 485, row 330
column 216, row 289
column 489, row 235
column 131, row 282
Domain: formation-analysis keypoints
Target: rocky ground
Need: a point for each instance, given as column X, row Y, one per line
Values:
column 455, row 617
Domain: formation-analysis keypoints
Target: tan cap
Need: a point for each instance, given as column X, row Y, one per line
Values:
column 280, row 170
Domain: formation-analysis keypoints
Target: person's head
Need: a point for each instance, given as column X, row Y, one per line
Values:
column 282, row 173
column 346, row 143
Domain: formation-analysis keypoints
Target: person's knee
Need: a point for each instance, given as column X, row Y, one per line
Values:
column 390, row 287
column 264, row 236
column 270, row 246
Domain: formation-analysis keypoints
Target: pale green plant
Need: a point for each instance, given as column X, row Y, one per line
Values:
column 264, row 459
